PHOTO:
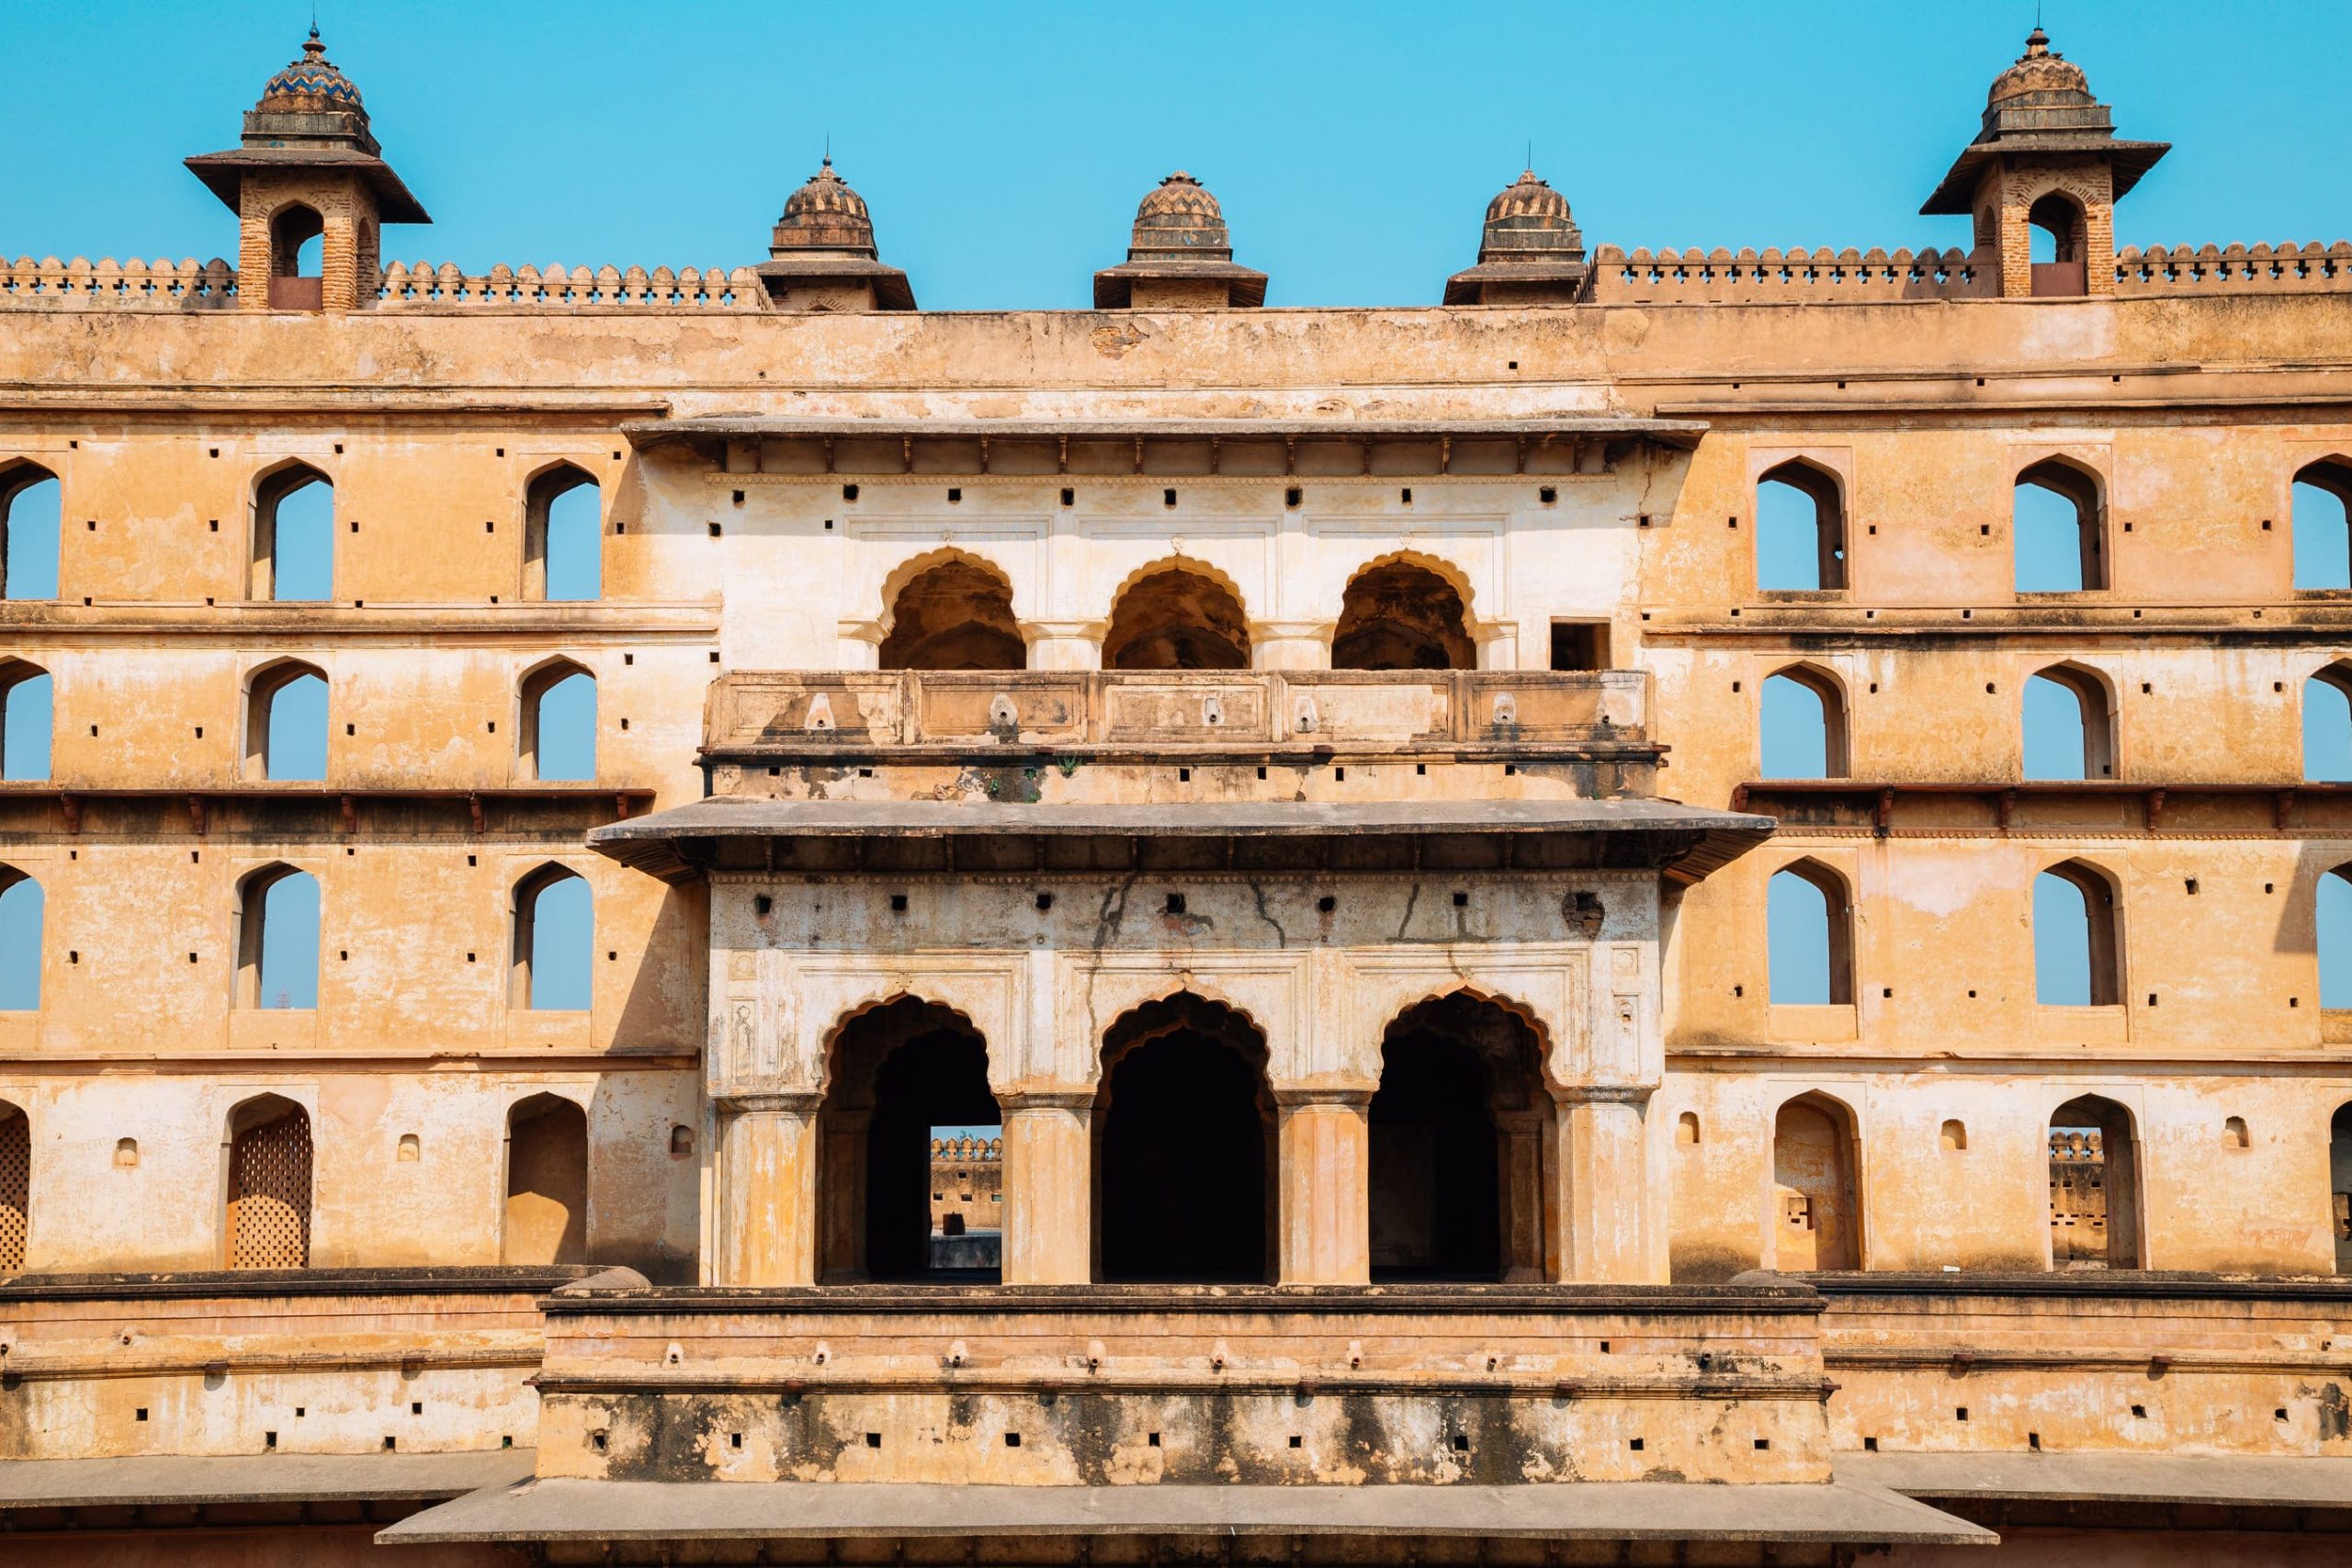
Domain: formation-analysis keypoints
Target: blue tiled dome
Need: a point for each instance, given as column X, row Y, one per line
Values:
column 311, row 84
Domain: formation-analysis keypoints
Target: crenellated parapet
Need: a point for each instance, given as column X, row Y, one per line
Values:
column 557, row 287
column 1798, row 275
column 160, row 285
column 2232, row 268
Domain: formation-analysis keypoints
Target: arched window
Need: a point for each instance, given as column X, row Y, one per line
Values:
column 955, row 616
column 31, row 519
column 2322, row 523
column 547, row 1182
column 1816, row 1215
column 2339, row 1184
column 293, row 535
column 556, row 741
column 1176, row 619
column 1808, row 920
column 1400, row 615
column 2068, row 717
column 1457, row 1130
column 1953, row 1136
column 563, row 536
column 2094, row 1186
column 1185, row 1147
column 15, row 1186
column 1802, row 724
column 2078, row 950
column 1800, row 528
column 555, row 938
column 2327, row 725
column 2333, row 922
column 268, row 1201
column 26, row 711
column 295, row 248
column 2057, row 527
column 21, row 909
column 2058, row 247
column 277, row 939
column 909, row 1128
column 286, row 722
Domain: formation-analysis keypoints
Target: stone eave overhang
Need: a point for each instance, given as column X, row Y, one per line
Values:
column 1955, row 195
column 852, row 837
column 712, row 434
column 1114, row 286
column 223, row 173
column 1461, row 289
column 891, row 289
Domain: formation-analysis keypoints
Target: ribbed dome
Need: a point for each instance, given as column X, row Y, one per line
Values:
column 2038, row 71
column 1178, row 218
column 824, row 215
column 1528, row 198
column 309, row 85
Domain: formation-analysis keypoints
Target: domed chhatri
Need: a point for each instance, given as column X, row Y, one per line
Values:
column 309, row 85
column 1180, row 256
column 2039, row 71
column 1530, row 252
column 821, row 253
column 825, row 215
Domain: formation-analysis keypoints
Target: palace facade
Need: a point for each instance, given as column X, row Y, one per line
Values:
column 1680, row 909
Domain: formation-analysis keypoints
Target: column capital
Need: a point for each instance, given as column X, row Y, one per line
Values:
column 1011, row 1101
column 1604, row 1094
column 1294, row 1097
column 803, row 1103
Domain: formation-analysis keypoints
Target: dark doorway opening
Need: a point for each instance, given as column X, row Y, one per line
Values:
column 1183, row 1143
column 898, row 1071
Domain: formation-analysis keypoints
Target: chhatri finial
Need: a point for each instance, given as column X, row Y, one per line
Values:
column 2037, row 43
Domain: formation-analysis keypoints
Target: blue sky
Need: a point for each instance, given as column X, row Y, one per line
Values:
column 1004, row 148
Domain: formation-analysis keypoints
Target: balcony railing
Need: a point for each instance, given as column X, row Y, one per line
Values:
column 798, row 712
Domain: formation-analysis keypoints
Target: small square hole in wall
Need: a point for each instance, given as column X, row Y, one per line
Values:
column 1183, row 775
column 1634, row 1444
column 1151, row 1439
column 1297, row 1441
column 1175, row 903
column 898, row 903
column 714, row 531
column 1461, row 900
column 955, row 496
column 714, row 656
column 1167, row 498
column 417, row 1407
column 1405, row 495
column 1960, row 1413
column 1045, row 902
column 1262, row 773
column 2140, row 1412
column 2278, row 1415
column 338, row 448
column 1013, row 1439
column 390, row 1442
column 2033, row 1442
column 597, row 1441
column 1461, row 1443
column 1293, row 496
column 734, row 1439
column 1869, row 1445
column 739, row 497
column 140, row 1415
column 300, row 1410
column 761, row 904
column 1514, row 365
column 270, row 1440
column 873, row 1439
column 1762, row 1444
column 849, row 493
column 1548, row 495
column 1326, row 904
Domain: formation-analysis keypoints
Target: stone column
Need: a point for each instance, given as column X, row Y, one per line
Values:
column 1290, row 645
column 767, row 1169
column 1066, row 645
column 1048, row 1187
column 1324, row 1155
column 1601, row 1231
column 1520, row 1136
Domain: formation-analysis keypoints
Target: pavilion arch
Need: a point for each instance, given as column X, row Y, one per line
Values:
column 2339, row 1184
column 1826, row 490
column 548, row 549
column 1816, row 1211
column 1177, row 614
column 23, row 916
column 2084, row 489
column 16, row 1184
column 1462, row 1133
column 2094, row 702
column 272, row 488
column 266, row 1196
column 894, row 1069
column 265, row 726
column 291, row 227
column 554, row 745
column 17, row 479
column 545, row 1165
column 1835, row 938
column 29, row 707
column 1184, row 1147
column 1823, row 685
column 2063, row 230
column 531, row 986
column 2102, row 938
column 949, row 609
column 270, row 945
column 1406, row 611
column 2096, row 1213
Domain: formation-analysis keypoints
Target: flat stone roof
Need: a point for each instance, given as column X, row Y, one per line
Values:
column 570, row 1509
column 256, row 1478
column 2232, row 1480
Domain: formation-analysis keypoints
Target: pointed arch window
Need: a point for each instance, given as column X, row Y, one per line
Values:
column 1800, row 528
column 2077, row 939
column 554, row 937
column 556, row 741
column 1808, row 924
column 31, row 528
column 2058, row 528
column 285, row 722
column 277, row 939
column 27, row 714
column 563, row 536
column 293, row 536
